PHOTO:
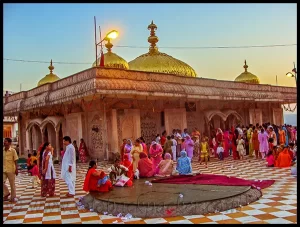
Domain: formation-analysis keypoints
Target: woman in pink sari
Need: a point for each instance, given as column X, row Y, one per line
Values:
column 189, row 146
column 82, row 151
column 145, row 166
column 165, row 167
column 155, row 152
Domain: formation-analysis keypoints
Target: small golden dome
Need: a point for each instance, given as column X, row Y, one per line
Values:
column 155, row 61
column 50, row 78
column 247, row 77
column 112, row 60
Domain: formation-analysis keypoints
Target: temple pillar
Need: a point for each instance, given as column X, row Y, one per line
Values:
column 114, row 131
column 57, row 144
column 30, row 142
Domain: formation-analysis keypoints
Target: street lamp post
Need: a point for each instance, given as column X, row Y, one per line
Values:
column 292, row 74
column 111, row 35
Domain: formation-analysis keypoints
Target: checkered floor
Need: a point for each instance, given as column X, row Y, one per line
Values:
column 278, row 204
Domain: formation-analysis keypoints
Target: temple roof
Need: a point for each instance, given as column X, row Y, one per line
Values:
column 247, row 77
column 112, row 60
column 155, row 61
column 117, row 82
column 49, row 78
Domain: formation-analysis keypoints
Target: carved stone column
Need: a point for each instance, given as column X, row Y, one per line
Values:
column 114, row 131
column 57, row 144
column 106, row 155
column 30, row 142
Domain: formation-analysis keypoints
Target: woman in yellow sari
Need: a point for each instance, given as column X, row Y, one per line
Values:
column 135, row 153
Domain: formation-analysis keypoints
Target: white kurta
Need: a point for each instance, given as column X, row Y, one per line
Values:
column 50, row 167
column 69, row 159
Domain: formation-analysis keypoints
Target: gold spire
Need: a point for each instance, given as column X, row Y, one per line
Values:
column 155, row 61
column 152, row 39
column 247, row 77
column 109, row 45
column 51, row 67
column 245, row 66
column 50, row 78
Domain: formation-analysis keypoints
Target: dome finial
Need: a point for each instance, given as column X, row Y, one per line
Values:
column 51, row 67
column 109, row 45
column 245, row 66
column 152, row 39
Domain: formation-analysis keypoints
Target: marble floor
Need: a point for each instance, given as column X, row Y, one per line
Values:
column 277, row 205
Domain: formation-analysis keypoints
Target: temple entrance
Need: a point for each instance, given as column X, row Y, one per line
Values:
column 36, row 137
column 49, row 135
column 231, row 120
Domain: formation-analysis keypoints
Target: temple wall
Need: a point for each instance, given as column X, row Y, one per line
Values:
column 150, row 125
column 175, row 118
column 74, row 126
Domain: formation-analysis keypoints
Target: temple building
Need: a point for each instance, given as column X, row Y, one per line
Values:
column 143, row 97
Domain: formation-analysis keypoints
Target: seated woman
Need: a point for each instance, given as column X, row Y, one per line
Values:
column 284, row 159
column 93, row 176
column 270, row 159
column 184, row 164
column 165, row 167
column 128, row 164
column 117, row 170
column 145, row 166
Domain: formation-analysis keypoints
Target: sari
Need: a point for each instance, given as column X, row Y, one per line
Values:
column 284, row 159
column 82, row 152
column 189, row 146
column 286, row 135
column 145, row 150
column 48, row 179
column 156, row 155
column 135, row 153
column 226, row 144
column 282, row 137
column 184, row 164
column 235, row 153
column 165, row 167
column 250, row 142
column 91, row 182
column 127, row 150
column 128, row 164
column 145, row 166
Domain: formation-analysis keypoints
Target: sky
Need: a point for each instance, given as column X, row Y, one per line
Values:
column 65, row 33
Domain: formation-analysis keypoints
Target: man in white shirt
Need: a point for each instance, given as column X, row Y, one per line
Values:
column 173, row 147
column 68, row 167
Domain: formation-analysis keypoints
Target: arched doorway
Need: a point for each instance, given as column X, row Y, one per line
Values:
column 36, row 137
column 49, row 135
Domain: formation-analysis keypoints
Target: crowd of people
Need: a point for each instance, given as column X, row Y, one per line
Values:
column 167, row 155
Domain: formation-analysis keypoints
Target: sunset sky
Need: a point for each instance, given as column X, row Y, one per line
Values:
column 65, row 32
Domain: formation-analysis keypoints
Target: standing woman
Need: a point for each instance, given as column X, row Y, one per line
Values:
column 135, row 153
column 143, row 142
column 48, row 173
column 281, row 136
column 127, row 149
column 249, row 137
column 76, row 150
column 156, row 152
column 83, row 152
column 235, row 154
column 263, row 143
column 255, row 143
column 189, row 146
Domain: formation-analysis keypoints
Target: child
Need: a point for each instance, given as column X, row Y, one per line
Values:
column 220, row 151
column 240, row 146
column 270, row 159
column 204, row 151
column 33, row 157
column 116, row 171
column 34, row 173
column 29, row 162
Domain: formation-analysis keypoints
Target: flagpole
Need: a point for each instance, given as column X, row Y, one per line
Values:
column 95, row 37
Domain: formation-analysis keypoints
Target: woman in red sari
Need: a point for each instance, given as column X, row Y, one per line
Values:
column 145, row 166
column 92, row 177
column 128, row 164
column 284, row 159
column 83, row 152
column 235, row 154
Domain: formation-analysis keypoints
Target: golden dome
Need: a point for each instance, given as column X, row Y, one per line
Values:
column 112, row 60
column 50, row 78
column 247, row 77
column 155, row 61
